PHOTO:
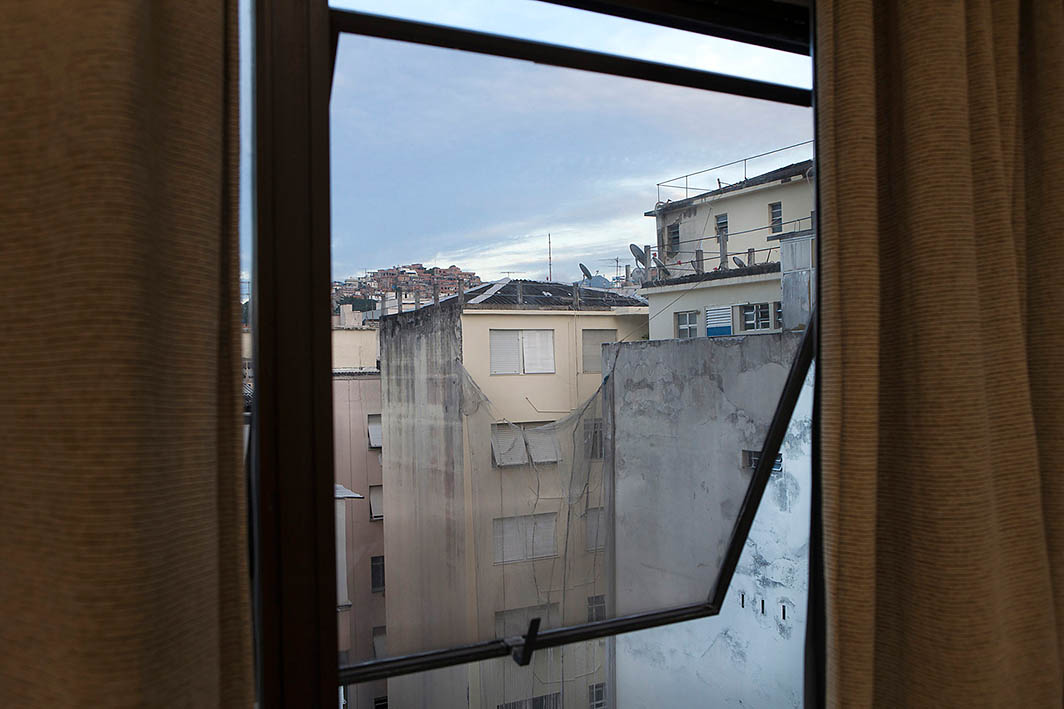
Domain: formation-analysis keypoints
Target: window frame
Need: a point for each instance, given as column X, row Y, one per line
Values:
column 775, row 221
column 691, row 326
column 291, row 516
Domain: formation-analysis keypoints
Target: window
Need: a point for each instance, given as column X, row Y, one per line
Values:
column 376, row 573
column 718, row 321
column 596, row 696
column 596, row 528
column 674, row 237
column 508, row 443
column 775, row 216
column 373, row 426
column 544, row 701
column 593, row 438
column 380, row 641
column 593, row 342
column 687, row 324
column 596, row 608
column 524, row 537
column 722, row 225
column 380, row 702
column 515, row 620
column 755, row 316
column 376, row 502
column 521, row 351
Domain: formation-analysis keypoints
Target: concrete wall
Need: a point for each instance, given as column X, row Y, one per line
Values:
column 542, row 397
column 666, row 301
column 426, row 530
column 357, row 467
column 355, row 348
column 747, row 210
column 682, row 413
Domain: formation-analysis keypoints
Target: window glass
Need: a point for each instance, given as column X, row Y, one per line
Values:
column 544, row 441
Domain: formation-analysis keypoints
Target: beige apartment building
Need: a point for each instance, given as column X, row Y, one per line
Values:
column 493, row 487
column 731, row 254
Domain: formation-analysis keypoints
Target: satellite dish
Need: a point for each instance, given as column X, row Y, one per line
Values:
column 638, row 276
column 661, row 267
column 640, row 257
column 738, row 262
column 587, row 273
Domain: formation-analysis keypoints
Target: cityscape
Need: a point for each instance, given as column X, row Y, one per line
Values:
column 494, row 441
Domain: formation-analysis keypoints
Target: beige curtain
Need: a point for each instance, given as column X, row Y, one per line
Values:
column 123, row 545
column 941, row 128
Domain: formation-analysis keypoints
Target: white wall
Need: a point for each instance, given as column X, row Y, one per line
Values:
column 666, row 301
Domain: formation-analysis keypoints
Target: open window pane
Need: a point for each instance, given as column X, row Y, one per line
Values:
column 554, row 442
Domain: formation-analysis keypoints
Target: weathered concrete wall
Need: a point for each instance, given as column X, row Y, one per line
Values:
column 425, row 542
column 681, row 413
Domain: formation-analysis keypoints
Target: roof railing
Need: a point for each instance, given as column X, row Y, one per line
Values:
column 687, row 187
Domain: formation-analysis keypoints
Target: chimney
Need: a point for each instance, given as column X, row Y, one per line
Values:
column 750, row 257
column 627, row 273
column 700, row 261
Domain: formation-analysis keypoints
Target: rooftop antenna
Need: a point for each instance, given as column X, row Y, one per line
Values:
column 550, row 275
column 587, row 273
column 640, row 257
column 738, row 262
column 661, row 267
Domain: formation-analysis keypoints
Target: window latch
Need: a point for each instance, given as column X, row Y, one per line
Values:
column 522, row 652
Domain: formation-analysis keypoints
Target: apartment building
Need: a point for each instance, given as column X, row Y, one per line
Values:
column 492, row 474
column 730, row 253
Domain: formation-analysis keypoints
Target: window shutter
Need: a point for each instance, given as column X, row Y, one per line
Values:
column 593, row 341
column 376, row 501
column 380, row 642
column 596, row 528
column 718, row 321
column 509, row 533
column 541, row 534
column 538, row 350
column 505, row 346
column 507, row 445
column 373, row 423
column 542, row 443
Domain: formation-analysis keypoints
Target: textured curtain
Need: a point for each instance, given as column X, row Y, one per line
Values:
column 941, row 144
column 123, row 545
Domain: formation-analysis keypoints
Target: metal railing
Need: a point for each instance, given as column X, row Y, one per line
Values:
column 687, row 187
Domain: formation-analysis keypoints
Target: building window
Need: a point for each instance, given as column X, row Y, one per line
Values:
column 521, row 351
column 775, row 216
column 595, row 522
column 674, row 238
column 380, row 641
column 381, row 702
column 376, row 574
column 687, row 324
column 515, row 621
column 777, row 318
column 596, row 696
column 376, row 502
column 755, row 316
column 722, row 225
column 751, row 458
column 524, row 537
column 544, row 701
column 508, row 443
column 593, row 340
column 596, row 608
column 373, row 427
column 593, row 438
column 718, row 321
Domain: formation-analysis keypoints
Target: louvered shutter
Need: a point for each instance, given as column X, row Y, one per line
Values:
column 718, row 321
column 376, row 501
column 596, row 528
column 537, row 347
column 541, row 535
column 510, row 541
column 505, row 346
column 507, row 445
column 373, row 423
column 592, row 347
column 542, row 443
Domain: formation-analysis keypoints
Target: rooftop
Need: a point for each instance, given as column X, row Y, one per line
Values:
column 720, row 274
column 785, row 173
column 543, row 294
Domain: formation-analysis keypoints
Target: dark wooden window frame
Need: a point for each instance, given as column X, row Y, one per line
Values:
column 294, row 575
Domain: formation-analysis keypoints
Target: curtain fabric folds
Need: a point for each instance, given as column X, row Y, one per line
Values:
column 123, row 544
column 941, row 145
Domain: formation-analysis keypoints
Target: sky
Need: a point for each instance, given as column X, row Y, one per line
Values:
column 444, row 157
